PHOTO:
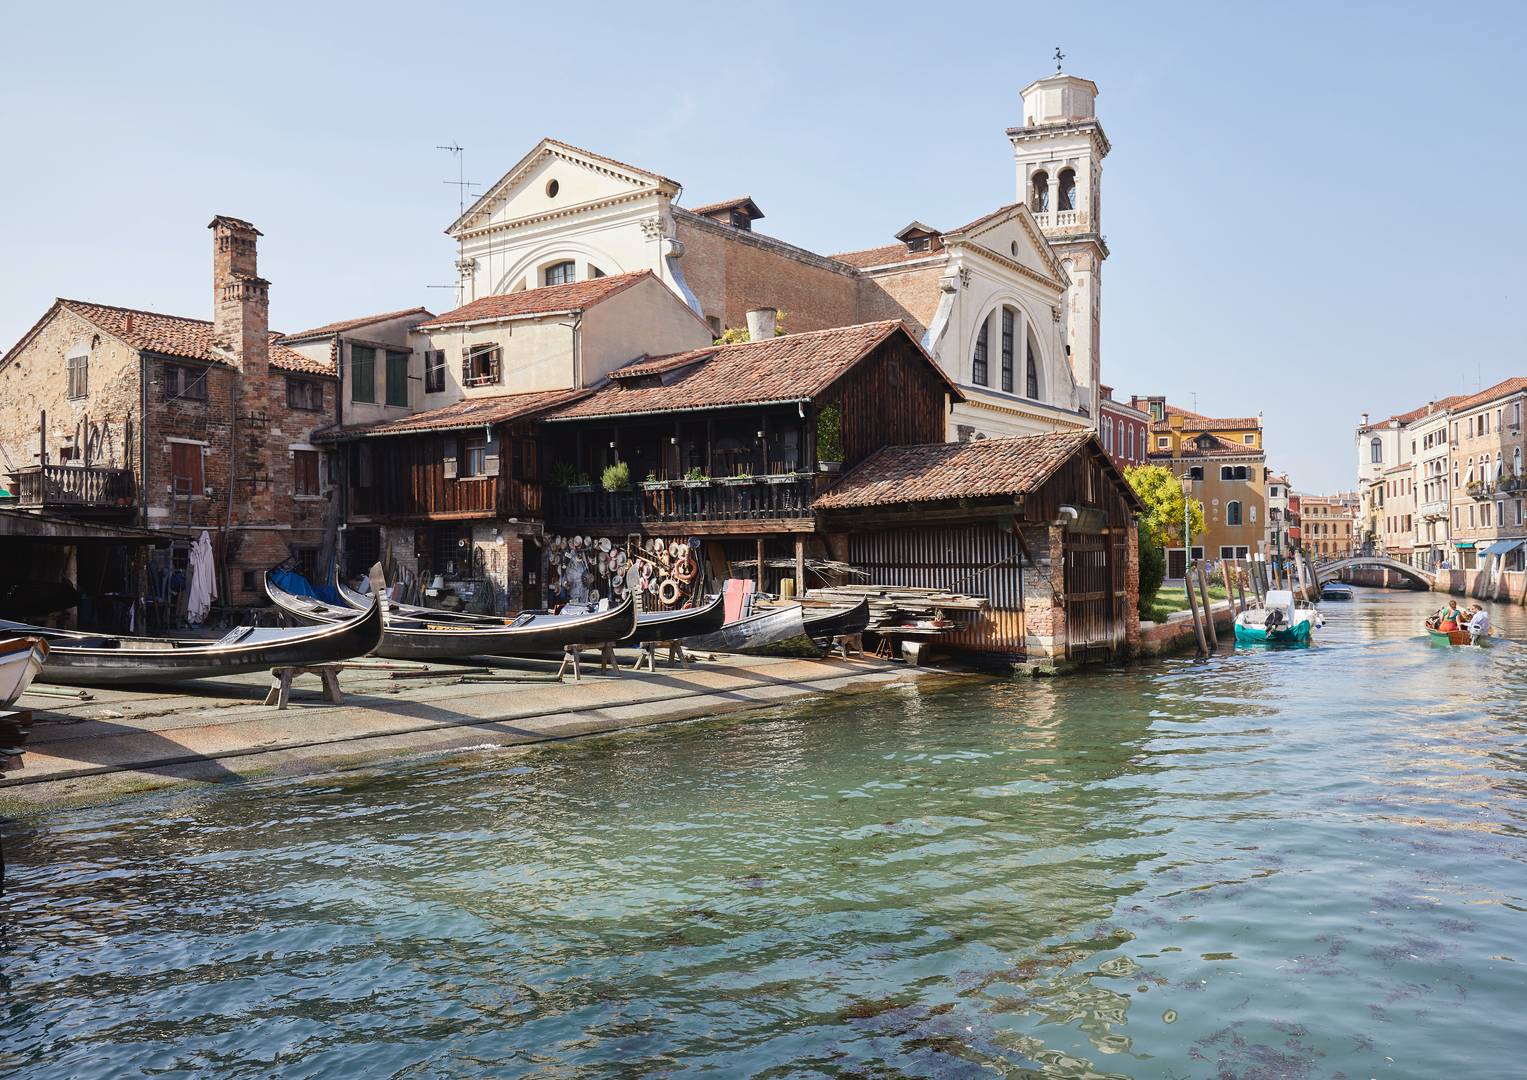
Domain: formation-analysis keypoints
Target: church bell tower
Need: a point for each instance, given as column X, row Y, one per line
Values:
column 1059, row 152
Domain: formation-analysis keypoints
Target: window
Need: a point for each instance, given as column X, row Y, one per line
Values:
column 185, row 469
column 363, row 470
column 916, row 243
column 1108, row 434
column 479, row 366
column 1274, row 492
column 305, row 472
column 1007, row 350
column 473, row 450
column 363, row 373
column 1129, row 435
column 181, row 382
column 1232, row 512
column 1163, row 442
column 1518, row 505
column 1376, row 451
column 562, row 273
column 1030, row 373
column 1249, row 439
column 1226, row 552
column 1516, row 461
column 1484, row 514
column 79, row 375
column 397, row 378
column 1226, row 472
column 304, row 394
column 1067, row 190
column 434, row 371
column 1039, row 199
column 978, row 360
column 1516, row 414
column 1158, row 410
column 1196, row 472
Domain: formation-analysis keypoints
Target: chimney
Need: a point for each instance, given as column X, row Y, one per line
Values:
column 1365, row 420
column 761, row 323
column 240, row 303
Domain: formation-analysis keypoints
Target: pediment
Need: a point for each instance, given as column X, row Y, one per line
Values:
column 1012, row 234
column 553, row 178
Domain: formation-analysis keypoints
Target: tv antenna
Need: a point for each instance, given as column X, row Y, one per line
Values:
column 461, row 183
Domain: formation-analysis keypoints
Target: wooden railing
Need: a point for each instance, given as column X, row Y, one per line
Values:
column 72, row 485
column 761, row 499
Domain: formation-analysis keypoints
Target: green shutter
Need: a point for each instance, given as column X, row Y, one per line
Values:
column 362, row 373
column 397, row 378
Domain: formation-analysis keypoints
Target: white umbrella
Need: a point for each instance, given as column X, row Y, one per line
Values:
column 203, row 588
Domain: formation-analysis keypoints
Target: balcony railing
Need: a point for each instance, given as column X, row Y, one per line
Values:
column 769, row 498
column 43, row 486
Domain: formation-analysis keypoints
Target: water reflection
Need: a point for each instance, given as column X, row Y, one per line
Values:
column 1273, row 863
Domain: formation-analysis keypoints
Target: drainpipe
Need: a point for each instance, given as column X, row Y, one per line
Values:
column 143, row 438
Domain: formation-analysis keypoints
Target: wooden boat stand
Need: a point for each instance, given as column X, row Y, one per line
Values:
column 281, row 682
column 15, row 725
column 571, row 658
column 647, row 658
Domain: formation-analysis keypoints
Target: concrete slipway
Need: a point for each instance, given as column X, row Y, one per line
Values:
column 127, row 741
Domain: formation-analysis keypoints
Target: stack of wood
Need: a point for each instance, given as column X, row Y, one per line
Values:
column 899, row 604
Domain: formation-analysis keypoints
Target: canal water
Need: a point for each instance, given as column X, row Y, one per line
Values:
column 1274, row 864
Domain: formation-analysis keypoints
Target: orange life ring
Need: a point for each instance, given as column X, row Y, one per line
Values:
column 685, row 569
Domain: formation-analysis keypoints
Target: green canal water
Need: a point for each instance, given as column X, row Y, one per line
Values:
column 1275, row 864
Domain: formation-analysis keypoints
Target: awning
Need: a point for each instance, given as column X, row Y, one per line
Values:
column 1464, row 545
column 1501, row 547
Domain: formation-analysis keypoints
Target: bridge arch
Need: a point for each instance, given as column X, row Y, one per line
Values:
column 1330, row 571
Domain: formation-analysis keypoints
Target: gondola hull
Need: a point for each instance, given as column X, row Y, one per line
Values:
column 776, row 632
column 21, row 660
column 424, row 639
column 830, row 622
column 79, row 659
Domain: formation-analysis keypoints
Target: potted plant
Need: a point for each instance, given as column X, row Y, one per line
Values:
column 830, row 437
column 696, row 478
column 736, row 480
column 652, row 483
column 616, row 477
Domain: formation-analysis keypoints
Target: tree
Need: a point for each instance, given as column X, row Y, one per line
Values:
column 1162, row 494
column 735, row 335
column 1152, row 571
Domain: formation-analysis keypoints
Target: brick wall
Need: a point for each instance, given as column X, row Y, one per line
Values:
column 910, row 295
column 1044, row 589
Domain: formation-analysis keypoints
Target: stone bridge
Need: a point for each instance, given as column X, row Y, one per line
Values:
column 1330, row 571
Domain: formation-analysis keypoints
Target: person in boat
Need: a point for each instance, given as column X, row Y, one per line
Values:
column 1449, row 617
column 1479, row 622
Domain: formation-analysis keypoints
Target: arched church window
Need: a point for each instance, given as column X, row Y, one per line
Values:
column 1376, row 451
column 978, row 359
column 1232, row 512
column 562, row 273
column 1030, row 371
column 1039, row 199
column 1067, row 190
column 1009, row 317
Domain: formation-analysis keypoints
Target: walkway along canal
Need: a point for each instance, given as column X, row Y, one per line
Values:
column 1300, row 863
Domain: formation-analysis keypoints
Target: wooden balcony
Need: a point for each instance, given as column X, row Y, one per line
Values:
column 74, row 487
column 733, row 505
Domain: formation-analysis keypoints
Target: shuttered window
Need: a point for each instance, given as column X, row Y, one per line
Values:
column 186, row 469
column 397, row 378
column 363, row 374
column 79, row 375
column 305, row 472
column 480, row 366
column 434, row 371
column 305, row 394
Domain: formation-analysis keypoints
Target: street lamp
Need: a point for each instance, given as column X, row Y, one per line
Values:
column 1187, row 522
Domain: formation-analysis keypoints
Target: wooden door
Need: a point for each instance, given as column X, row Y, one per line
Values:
column 1089, row 595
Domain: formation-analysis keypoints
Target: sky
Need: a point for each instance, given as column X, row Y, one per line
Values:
column 1314, row 210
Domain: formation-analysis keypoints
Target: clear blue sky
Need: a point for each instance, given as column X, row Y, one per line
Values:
column 1314, row 209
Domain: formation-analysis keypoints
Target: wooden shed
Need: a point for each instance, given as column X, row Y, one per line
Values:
column 1044, row 526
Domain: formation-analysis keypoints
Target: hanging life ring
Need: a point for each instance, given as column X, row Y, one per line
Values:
column 668, row 591
column 685, row 569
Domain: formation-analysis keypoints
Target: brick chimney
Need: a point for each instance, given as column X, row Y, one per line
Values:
column 241, row 334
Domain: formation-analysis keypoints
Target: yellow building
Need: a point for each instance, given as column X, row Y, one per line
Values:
column 1222, row 461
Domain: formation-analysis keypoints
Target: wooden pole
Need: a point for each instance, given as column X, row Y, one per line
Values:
column 1198, row 627
column 1224, row 568
column 758, row 574
column 800, row 566
column 1203, row 593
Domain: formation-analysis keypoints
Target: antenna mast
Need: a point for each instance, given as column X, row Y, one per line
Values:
column 463, row 187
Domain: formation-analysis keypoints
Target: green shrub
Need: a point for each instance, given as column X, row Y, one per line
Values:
column 615, row 477
column 1152, row 571
column 830, row 432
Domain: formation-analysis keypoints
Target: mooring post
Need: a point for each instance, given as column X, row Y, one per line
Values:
column 1203, row 593
column 1224, row 568
column 1198, row 627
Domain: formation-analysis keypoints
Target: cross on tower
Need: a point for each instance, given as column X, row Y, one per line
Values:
column 1059, row 56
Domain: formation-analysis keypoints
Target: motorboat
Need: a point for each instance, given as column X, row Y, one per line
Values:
column 77, row 658
column 526, row 634
column 1336, row 590
column 1278, row 623
column 21, row 658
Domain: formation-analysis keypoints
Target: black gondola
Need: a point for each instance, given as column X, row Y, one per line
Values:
column 528, row 634
column 84, row 659
column 824, row 623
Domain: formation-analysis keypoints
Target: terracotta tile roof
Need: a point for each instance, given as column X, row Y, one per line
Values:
column 467, row 413
column 794, row 367
column 1490, row 393
column 173, row 335
column 543, row 301
column 1416, row 414
column 742, row 202
column 351, row 324
column 1216, row 447
column 883, row 256
column 963, row 470
column 1193, row 421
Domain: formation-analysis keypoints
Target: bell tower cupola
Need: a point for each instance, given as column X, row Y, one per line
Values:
column 1059, row 151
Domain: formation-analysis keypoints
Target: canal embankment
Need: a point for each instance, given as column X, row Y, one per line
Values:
column 1506, row 587
column 125, row 741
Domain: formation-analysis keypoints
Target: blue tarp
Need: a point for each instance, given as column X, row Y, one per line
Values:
column 294, row 583
column 1501, row 547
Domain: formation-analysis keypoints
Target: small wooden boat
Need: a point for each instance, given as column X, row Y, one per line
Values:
column 527, row 634
column 83, row 659
column 774, row 632
column 1438, row 636
column 1279, row 623
column 824, row 623
column 1336, row 590
column 20, row 660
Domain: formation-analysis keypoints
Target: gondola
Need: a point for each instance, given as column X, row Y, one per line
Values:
column 527, row 634
column 678, row 623
column 20, row 660
column 359, row 601
column 83, row 659
column 824, row 623
column 775, row 632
